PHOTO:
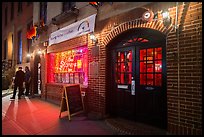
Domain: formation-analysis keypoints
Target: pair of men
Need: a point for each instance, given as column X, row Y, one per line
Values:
column 21, row 77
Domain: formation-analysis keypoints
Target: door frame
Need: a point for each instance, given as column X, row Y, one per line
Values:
column 118, row 44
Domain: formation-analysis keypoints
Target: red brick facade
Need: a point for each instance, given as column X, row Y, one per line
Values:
column 19, row 22
column 183, row 62
column 184, row 90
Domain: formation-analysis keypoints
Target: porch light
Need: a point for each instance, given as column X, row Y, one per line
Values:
column 93, row 38
column 28, row 55
column 165, row 15
column 166, row 18
column 39, row 52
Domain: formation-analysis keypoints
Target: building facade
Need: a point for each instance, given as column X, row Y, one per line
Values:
column 17, row 19
column 144, row 64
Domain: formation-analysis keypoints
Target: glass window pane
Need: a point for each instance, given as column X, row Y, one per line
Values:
column 158, row 80
column 142, row 66
column 142, row 79
column 122, row 67
column 150, row 82
column 150, row 52
column 129, row 56
column 158, row 66
column 122, row 78
column 149, row 76
column 129, row 67
column 118, row 56
column 67, row 66
column 158, row 53
column 142, row 54
column 150, row 67
column 130, row 78
column 118, row 67
column 122, row 57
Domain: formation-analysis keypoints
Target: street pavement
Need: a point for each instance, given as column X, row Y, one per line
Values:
column 35, row 116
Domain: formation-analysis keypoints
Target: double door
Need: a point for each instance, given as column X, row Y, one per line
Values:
column 139, row 79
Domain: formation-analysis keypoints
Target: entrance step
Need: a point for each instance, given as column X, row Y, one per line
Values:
column 127, row 127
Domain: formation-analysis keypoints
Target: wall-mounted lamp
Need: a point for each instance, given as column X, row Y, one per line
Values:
column 166, row 18
column 39, row 52
column 93, row 38
column 28, row 55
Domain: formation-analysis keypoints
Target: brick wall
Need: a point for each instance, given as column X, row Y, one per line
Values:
column 184, row 72
column 19, row 22
column 184, row 103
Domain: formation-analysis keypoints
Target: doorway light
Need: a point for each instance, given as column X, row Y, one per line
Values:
column 166, row 18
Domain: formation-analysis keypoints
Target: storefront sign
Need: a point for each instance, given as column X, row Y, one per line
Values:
column 79, row 28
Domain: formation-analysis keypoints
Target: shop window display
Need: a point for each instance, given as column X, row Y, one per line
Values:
column 68, row 67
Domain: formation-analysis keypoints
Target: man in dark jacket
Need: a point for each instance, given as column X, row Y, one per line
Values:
column 18, row 83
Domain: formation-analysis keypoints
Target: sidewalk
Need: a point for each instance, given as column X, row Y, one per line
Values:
column 7, row 92
column 34, row 116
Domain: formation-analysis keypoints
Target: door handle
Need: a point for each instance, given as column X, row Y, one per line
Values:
column 133, row 87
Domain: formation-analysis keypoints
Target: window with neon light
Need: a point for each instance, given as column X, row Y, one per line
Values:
column 69, row 66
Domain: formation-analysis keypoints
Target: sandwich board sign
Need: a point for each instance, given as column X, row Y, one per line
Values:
column 71, row 100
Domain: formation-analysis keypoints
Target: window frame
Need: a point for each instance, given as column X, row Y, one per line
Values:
column 5, row 16
column 12, row 11
column 43, row 12
column 20, row 7
column 66, row 6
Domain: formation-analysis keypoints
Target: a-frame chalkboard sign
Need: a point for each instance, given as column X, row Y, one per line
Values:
column 71, row 100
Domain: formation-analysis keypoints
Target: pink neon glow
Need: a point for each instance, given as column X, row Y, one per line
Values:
column 68, row 67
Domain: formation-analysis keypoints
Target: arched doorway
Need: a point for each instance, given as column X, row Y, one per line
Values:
column 136, row 76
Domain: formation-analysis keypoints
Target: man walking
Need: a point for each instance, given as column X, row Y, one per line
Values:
column 27, row 80
column 18, row 83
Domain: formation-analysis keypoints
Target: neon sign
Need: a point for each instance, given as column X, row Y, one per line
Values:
column 68, row 66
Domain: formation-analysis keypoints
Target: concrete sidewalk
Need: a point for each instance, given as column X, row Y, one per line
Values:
column 7, row 92
column 34, row 116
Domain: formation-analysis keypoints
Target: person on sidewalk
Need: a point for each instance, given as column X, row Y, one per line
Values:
column 18, row 83
column 27, row 80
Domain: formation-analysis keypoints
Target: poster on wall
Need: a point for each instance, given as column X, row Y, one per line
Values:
column 93, row 69
column 79, row 28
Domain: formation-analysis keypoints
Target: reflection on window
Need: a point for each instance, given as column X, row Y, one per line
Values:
column 123, row 67
column 151, row 66
column 68, row 67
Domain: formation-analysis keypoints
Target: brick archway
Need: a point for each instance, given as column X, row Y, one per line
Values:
column 138, row 23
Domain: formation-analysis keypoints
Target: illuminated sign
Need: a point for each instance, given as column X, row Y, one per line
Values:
column 79, row 28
